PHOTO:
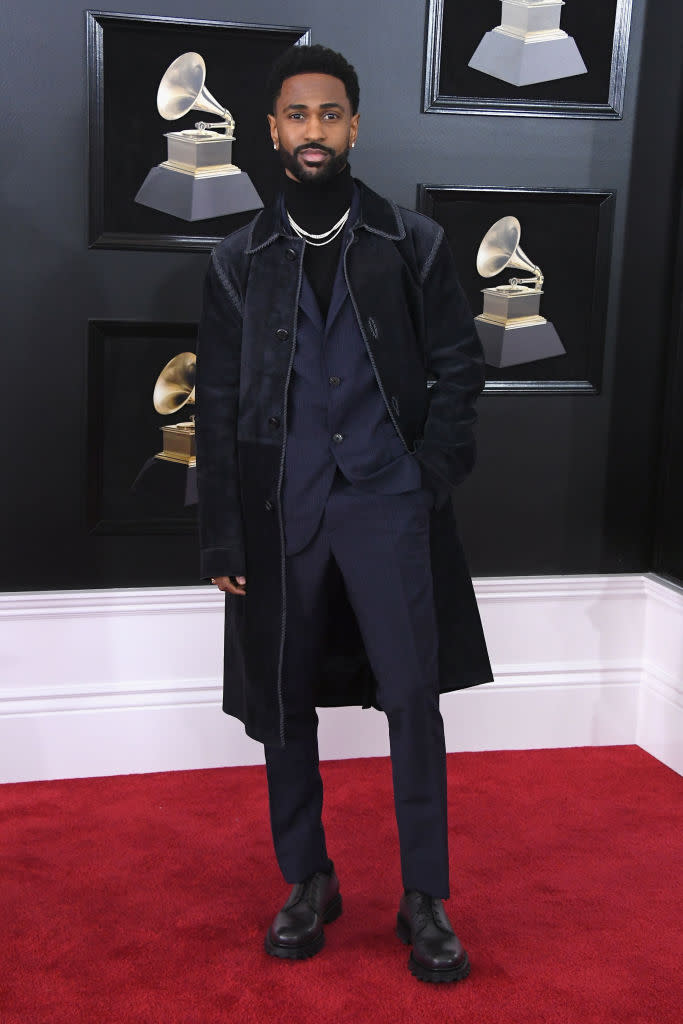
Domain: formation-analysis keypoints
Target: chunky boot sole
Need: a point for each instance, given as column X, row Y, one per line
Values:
column 433, row 974
column 302, row 952
column 307, row 949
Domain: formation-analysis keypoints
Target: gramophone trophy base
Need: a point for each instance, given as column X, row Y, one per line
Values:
column 507, row 302
column 522, row 17
column 510, row 344
column 198, row 181
column 520, row 60
column 200, row 150
column 202, row 172
column 179, row 460
column 198, row 197
column 179, row 444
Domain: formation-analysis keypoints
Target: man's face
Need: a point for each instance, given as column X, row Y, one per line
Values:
column 313, row 127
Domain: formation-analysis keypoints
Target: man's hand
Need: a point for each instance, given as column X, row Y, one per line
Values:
column 231, row 584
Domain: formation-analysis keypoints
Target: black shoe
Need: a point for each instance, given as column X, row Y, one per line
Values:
column 297, row 931
column 437, row 953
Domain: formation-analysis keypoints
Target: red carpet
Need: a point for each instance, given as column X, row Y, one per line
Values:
column 145, row 898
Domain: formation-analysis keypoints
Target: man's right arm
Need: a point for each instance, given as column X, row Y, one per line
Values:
column 221, row 530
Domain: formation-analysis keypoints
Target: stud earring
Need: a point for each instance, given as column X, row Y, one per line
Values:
column 353, row 145
column 275, row 146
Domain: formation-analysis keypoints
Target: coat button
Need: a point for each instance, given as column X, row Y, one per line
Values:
column 337, row 438
column 282, row 334
column 269, row 506
column 274, row 421
column 290, row 254
column 334, row 381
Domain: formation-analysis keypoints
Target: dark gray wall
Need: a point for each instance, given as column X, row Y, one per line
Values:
column 668, row 553
column 645, row 422
column 540, row 498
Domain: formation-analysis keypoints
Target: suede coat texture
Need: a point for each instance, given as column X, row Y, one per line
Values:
column 417, row 328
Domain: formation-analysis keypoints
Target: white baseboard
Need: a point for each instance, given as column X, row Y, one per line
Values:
column 120, row 681
column 660, row 717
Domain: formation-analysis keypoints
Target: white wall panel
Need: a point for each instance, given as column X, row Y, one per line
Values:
column 119, row 681
column 660, row 719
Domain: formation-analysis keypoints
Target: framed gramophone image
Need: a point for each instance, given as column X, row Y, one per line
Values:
column 157, row 180
column 558, row 58
column 141, row 461
column 534, row 264
column 198, row 180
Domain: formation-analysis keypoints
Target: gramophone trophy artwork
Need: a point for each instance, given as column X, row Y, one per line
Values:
column 511, row 329
column 529, row 46
column 198, row 180
column 173, row 390
column 169, row 478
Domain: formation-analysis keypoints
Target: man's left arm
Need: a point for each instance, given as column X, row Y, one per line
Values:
column 454, row 357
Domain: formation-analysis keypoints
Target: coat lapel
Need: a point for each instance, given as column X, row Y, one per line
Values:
column 309, row 304
column 340, row 292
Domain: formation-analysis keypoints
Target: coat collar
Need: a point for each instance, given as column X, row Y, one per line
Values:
column 378, row 215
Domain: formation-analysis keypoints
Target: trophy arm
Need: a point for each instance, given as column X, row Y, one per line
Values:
column 228, row 123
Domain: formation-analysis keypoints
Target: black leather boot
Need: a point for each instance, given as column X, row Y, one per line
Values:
column 297, row 931
column 437, row 953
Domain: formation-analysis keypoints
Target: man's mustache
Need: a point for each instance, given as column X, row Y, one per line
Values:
column 308, row 148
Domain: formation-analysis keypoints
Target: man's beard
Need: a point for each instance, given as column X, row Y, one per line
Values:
column 312, row 175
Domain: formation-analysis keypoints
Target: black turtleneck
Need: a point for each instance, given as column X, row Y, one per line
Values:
column 316, row 208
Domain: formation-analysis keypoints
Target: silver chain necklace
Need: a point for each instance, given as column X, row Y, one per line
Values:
column 327, row 236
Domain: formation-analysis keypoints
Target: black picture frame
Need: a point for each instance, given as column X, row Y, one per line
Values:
column 127, row 56
column 455, row 28
column 123, row 433
column 576, row 264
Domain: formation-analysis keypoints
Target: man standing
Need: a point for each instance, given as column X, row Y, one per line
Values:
column 325, row 464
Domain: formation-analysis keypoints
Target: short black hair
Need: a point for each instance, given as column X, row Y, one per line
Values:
column 316, row 60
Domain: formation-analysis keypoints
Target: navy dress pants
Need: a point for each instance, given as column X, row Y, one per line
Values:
column 380, row 545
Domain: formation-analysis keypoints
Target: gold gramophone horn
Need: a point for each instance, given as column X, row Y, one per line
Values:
column 182, row 89
column 500, row 248
column 175, row 384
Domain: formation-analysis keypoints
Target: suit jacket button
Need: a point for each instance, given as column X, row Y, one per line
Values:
column 269, row 506
column 282, row 334
column 334, row 381
column 274, row 421
column 290, row 254
column 337, row 438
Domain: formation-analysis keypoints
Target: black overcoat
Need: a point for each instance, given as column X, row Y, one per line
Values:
column 417, row 328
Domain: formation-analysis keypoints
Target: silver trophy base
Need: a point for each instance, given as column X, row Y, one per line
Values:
column 197, row 198
column 510, row 346
column 524, row 63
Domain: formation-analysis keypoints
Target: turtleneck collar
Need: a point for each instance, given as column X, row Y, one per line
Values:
column 317, row 207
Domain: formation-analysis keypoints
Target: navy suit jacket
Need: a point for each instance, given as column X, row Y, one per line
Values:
column 337, row 417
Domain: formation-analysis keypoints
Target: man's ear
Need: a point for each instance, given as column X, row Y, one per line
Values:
column 353, row 134
column 272, row 123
